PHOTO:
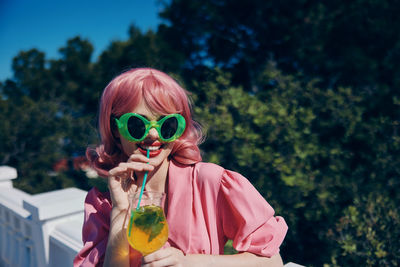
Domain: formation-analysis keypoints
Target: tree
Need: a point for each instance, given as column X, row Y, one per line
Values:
column 140, row 50
column 340, row 43
column 43, row 119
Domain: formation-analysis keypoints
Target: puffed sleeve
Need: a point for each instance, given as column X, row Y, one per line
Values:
column 248, row 219
column 95, row 230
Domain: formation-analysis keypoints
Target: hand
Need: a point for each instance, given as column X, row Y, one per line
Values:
column 165, row 257
column 121, row 181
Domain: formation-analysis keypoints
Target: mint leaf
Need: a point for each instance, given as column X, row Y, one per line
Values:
column 150, row 219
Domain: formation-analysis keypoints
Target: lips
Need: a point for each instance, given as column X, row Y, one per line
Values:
column 154, row 148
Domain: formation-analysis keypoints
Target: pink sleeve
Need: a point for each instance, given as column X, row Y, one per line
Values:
column 95, row 230
column 248, row 219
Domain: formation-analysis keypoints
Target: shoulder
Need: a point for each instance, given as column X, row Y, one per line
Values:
column 199, row 170
column 200, row 173
column 205, row 170
column 208, row 175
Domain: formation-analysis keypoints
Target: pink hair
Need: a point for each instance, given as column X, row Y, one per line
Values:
column 163, row 95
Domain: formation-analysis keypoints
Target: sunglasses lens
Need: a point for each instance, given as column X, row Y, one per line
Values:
column 136, row 127
column 169, row 127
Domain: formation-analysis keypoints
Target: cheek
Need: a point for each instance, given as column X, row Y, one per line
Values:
column 128, row 147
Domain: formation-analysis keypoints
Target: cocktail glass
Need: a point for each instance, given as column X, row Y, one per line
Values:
column 147, row 229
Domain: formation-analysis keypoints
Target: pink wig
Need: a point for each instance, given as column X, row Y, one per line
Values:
column 163, row 95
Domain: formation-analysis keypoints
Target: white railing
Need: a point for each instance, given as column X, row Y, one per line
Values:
column 40, row 230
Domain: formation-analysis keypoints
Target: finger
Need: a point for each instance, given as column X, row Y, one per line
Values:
column 138, row 157
column 169, row 261
column 120, row 170
column 143, row 167
column 167, row 256
column 123, row 168
column 156, row 256
column 135, row 165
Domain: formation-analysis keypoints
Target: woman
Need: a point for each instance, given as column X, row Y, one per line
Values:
column 205, row 205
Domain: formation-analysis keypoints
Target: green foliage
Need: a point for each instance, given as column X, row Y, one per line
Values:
column 267, row 137
column 29, row 146
column 367, row 233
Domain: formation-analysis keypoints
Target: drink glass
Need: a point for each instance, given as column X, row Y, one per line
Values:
column 147, row 229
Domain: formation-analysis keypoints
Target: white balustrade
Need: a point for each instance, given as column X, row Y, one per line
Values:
column 40, row 230
column 31, row 226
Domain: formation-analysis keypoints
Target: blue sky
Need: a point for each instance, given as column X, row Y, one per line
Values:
column 48, row 24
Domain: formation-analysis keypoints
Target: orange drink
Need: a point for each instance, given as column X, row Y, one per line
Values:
column 147, row 230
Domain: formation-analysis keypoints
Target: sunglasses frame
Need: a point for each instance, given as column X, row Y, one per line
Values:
column 122, row 125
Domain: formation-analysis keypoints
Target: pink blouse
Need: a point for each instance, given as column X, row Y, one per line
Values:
column 206, row 206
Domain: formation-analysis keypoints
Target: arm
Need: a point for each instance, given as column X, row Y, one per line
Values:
column 117, row 251
column 120, row 184
column 174, row 257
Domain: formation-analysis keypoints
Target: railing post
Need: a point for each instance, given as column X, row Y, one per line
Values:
column 6, row 175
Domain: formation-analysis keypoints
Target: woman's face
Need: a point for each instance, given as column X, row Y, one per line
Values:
column 159, row 151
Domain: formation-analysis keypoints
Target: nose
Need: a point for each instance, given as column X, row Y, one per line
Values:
column 153, row 134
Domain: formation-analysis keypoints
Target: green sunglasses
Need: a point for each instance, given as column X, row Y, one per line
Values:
column 134, row 127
